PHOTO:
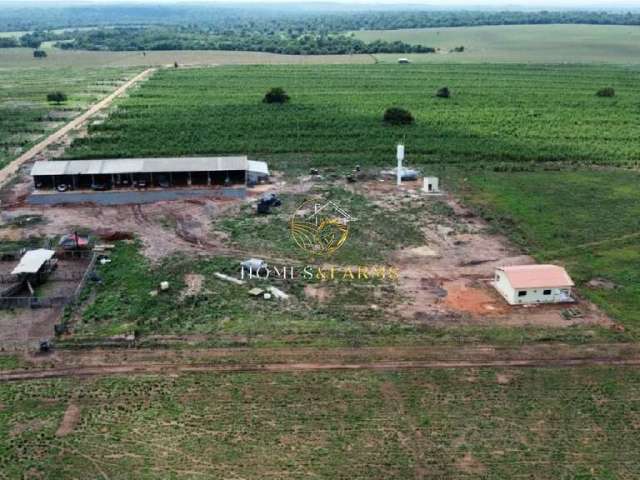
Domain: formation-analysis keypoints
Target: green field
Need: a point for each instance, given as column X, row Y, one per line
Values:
column 577, row 423
column 519, row 43
column 497, row 113
column 25, row 114
column 589, row 220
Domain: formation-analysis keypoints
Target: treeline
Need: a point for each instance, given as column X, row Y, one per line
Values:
column 192, row 38
column 301, row 18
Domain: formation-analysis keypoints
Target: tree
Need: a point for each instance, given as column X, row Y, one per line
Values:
column 398, row 116
column 276, row 95
column 39, row 54
column 443, row 92
column 175, row 65
column 606, row 92
column 56, row 97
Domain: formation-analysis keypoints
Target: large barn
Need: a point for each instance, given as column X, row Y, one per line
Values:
column 529, row 284
column 147, row 172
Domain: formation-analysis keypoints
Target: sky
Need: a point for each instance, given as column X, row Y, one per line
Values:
column 554, row 4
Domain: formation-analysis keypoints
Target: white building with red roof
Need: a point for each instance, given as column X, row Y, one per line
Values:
column 530, row 284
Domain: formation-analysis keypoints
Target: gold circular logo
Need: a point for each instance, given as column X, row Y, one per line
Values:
column 320, row 228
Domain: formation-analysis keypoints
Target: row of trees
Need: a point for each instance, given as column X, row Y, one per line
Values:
column 181, row 38
column 264, row 17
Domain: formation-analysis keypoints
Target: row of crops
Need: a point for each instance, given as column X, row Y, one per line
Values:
column 25, row 114
column 450, row 424
column 496, row 113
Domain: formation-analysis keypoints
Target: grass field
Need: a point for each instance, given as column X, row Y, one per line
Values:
column 577, row 423
column 519, row 43
column 25, row 114
column 589, row 220
column 497, row 113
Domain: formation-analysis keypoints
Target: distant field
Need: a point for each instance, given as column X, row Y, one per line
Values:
column 589, row 220
column 25, row 114
column 509, row 113
column 520, row 43
column 23, row 57
column 538, row 424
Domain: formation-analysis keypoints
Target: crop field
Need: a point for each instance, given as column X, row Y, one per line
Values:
column 518, row 43
column 589, row 220
column 461, row 423
column 25, row 114
column 511, row 113
column 23, row 57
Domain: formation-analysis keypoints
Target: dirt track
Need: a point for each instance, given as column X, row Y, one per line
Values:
column 7, row 172
column 154, row 362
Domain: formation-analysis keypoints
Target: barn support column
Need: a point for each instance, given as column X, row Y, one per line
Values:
column 189, row 178
column 170, row 179
column 208, row 179
column 73, row 182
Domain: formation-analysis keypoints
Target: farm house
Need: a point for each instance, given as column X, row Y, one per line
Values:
column 530, row 284
column 146, row 172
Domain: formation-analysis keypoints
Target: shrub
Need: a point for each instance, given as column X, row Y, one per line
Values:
column 606, row 92
column 39, row 54
column 56, row 97
column 443, row 92
column 398, row 116
column 276, row 95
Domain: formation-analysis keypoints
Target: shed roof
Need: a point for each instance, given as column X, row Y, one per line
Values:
column 537, row 276
column 256, row 166
column 140, row 165
column 33, row 260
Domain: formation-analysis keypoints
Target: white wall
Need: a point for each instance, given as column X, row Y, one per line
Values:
column 533, row 295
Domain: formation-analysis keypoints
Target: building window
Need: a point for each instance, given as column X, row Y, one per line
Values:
column 546, row 292
column 522, row 293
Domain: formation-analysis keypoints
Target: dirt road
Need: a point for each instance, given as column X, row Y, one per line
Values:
column 7, row 172
column 157, row 361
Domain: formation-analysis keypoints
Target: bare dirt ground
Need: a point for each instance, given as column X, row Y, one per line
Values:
column 447, row 281
column 101, row 362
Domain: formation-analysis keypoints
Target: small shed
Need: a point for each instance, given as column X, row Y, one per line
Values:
column 35, row 264
column 531, row 284
column 431, row 185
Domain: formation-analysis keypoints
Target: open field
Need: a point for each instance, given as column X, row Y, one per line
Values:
column 497, row 113
column 586, row 219
column 519, row 43
column 23, row 58
column 465, row 423
column 25, row 114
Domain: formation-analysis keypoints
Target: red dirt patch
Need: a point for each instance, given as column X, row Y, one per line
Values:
column 462, row 296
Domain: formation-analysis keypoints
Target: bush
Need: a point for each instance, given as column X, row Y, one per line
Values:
column 39, row 54
column 398, row 116
column 606, row 92
column 276, row 95
column 56, row 97
column 443, row 92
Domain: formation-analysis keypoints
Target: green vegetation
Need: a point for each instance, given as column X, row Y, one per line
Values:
column 25, row 115
column 398, row 116
column 286, row 41
column 589, row 220
column 606, row 92
column 519, row 43
column 484, row 423
column 56, row 97
column 513, row 113
column 276, row 95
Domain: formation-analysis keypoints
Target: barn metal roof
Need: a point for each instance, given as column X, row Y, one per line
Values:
column 256, row 166
column 537, row 276
column 33, row 260
column 141, row 165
